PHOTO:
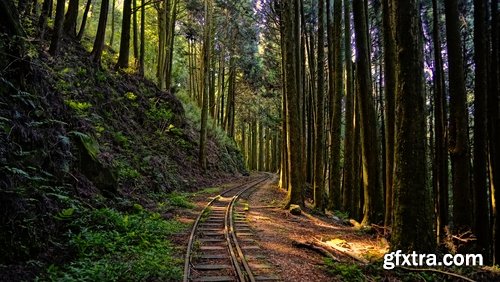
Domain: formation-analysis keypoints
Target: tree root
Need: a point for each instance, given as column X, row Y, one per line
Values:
column 438, row 271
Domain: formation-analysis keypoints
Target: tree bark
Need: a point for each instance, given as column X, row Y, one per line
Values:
column 58, row 28
column 373, row 196
column 112, row 37
column 134, row 32
column 42, row 22
column 458, row 127
column 206, row 82
column 70, row 19
column 84, row 20
column 142, row 48
column 390, row 93
column 441, row 154
column 123, row 57
column 481, row 223
column 493, row 121
column 96, row 53
column 349, row 146
column 318, row 184
column 412, row 197
column 291, row 21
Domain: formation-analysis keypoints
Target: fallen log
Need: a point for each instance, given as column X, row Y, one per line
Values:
column 315, row 247
column 342, row 251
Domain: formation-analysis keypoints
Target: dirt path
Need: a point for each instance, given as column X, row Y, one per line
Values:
column 276, row 229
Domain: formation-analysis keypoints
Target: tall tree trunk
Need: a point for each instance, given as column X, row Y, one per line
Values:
column 357, row 190
column 319, row 185
column 412, row 197
column 373, row 197
column 390, row 93
column 123, row 57
column 254, row 162
column 493, row 121
column 84, row 20
column 70, row 19
column 58, row 28
column 96, row 53
column 293, row 92
column 335, row 94
column 261, row 146
column 349, row 145
column 135, row 36
column 481, row 226
column 206, row 82
column 458, row 127
column 441, row 154
column 112, row 37
column 143, row 29
column 42, row 21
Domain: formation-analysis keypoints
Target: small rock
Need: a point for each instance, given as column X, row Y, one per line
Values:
column 295, row 209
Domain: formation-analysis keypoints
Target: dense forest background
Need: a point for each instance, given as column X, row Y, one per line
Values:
column 385, row 111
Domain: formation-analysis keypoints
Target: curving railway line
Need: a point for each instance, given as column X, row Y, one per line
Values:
column 221, row 245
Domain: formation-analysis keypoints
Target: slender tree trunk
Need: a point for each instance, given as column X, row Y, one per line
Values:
column 493, row 121
column 357, row 157
column 96, row 53
column 293, row 78
column 58, row 28
column 143, row 30
column 42, row 22
column 84, row 20
column 335, row 92
column 261, row 147
column 441, row 154
column 390, row 93
column 112, row 37
column 412, row 197
column 134, row 29
column 349, row 145
column 481, row 226
column 69, row 25
column 319, row 185
column 123, row 57
column 458, row 127
column 373, row 196
column 206, row 81
column 254, row 162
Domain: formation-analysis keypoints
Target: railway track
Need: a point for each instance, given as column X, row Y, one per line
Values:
column 221, row 245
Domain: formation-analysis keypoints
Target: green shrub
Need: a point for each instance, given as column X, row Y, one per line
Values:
column 178, row 199
column 112, row 246
column 348, row 272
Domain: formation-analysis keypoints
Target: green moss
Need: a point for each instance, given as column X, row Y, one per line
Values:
column 131, row 96
column 79, row 107
column 347, row 272
column 114, row 246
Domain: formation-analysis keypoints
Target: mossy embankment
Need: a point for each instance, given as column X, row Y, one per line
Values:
column 91, row 159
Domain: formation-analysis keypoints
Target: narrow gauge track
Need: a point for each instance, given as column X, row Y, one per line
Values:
column 214, row 252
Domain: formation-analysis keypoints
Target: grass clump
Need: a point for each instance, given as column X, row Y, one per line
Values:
column 112, row 246
column 347, row 272
column 178, row 199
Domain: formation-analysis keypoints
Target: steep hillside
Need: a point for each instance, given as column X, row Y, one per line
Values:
column 90, row 154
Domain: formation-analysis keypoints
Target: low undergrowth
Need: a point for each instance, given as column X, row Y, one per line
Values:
column 115, row 246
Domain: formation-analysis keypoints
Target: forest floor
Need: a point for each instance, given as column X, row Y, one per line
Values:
column 286, row 241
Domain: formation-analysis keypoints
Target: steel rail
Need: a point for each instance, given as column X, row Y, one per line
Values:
column 227, row 230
